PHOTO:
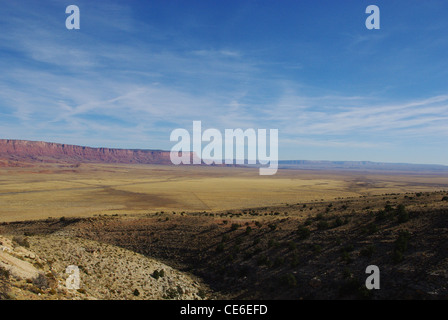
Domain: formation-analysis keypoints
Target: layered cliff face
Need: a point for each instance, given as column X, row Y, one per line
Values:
column 13, row 151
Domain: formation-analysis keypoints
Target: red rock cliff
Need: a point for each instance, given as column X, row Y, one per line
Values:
column 20, row 150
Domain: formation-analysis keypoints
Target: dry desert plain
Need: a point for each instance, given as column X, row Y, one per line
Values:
column 221, row 232
column 93, row 189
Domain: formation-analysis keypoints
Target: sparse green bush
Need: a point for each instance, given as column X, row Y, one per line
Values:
column 292, row 246
column 263, row 260
column 368, row 251
column 156, row 274
column 316, row 248
column 345, row 256
column 288, row 280
column 303, row 232
column 323, row 225
column 402, row 213
column 201, row 294
column 401, row 245
column 273, row 243
column 381, row 215
column 234, row 226
column 370, row 228
column 171, row 293
column 295, row 260
column 220, row 247
column 278, row 262
column 355, row 287
column 338, row 222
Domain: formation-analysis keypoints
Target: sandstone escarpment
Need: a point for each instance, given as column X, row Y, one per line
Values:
column 14, row 151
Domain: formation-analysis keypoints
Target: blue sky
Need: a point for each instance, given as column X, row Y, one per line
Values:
column 136, row 70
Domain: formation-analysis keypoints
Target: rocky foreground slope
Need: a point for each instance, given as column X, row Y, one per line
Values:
column 311, row 250
column 35, row 268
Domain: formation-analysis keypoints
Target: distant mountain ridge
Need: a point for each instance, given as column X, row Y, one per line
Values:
column 359, row 165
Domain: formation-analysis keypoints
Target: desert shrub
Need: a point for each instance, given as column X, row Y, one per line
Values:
column 401, row 245
column 295, row 260
column 272, row 226
column 171, row 293
column 320, row 216
column 303, row 232
column 220, row 248
column 355, row 287
column 402, row 213
column 4, row 273
column 234, row 226
column 323, row 225
column 248, row 255
column 225, row 238
column 40, row 281
column 273, row 243
column 136, row 292
column 155, row 274
column 278, row 262
column 201, row 294
column 292, row 246
column 345, row 256
column 445, row 198
column 388, row 208
column 370, row 228
column 338, row 222
column 248, row 230
column 21, row 241
column 368, row 251
column 316, row 248
column 257, row 250
column 288, row 280
column 263, row 260
column 348, row 248
column 381, row 215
